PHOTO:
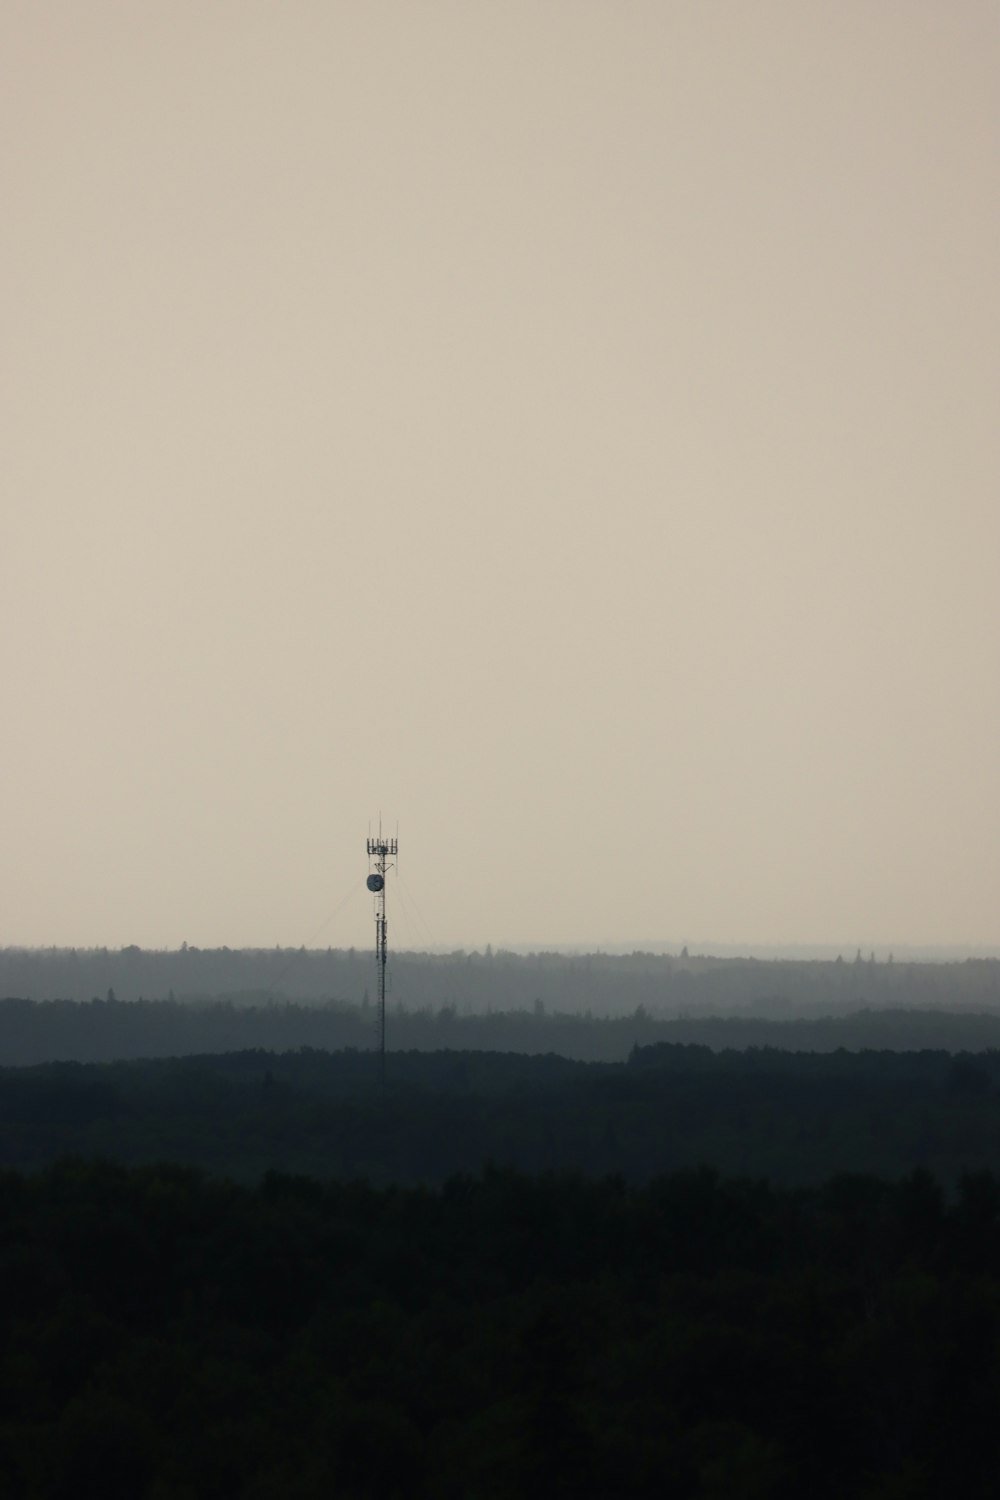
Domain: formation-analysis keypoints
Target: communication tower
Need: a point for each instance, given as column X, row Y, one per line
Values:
column 382, row 855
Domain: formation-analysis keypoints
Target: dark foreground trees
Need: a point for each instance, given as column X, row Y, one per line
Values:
column 166, row 1335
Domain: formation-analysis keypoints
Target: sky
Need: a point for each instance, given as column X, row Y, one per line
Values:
column 570, row 430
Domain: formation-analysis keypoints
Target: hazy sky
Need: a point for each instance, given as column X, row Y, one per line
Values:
column 572, row 427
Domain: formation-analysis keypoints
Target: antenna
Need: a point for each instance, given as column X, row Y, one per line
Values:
column 382, row 853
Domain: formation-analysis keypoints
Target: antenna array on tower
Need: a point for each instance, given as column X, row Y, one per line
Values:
column 382, row 854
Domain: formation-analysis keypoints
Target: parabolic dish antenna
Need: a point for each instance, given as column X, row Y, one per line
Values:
column 375, row 882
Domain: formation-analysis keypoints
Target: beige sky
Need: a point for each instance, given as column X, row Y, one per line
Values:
column 571, row 427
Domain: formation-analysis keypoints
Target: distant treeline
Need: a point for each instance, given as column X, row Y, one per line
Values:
column 791, row 1117
column 601, row 984
column 103, row 1030
column 164, row 1335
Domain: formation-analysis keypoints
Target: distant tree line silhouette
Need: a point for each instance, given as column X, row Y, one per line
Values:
column 613, row 985
column 101, row 1030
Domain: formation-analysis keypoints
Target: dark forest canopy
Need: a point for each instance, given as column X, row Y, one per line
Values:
column 163, row 1334
column 792, row 1117
column 599, row 983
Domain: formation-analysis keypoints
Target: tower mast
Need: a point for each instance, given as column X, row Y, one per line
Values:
column 381, row 854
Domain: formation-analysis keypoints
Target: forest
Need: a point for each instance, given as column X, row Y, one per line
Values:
column 794, row 1118
column 167, row 1334
column 601, row 984
column 108, row 1029
column 632, row 1253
